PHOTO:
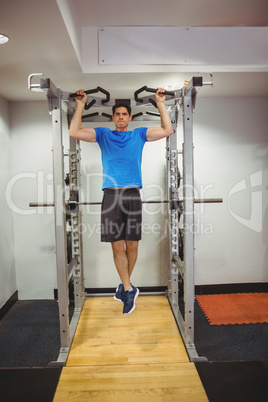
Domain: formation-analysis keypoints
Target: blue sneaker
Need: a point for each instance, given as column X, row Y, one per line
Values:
column 129, row 300
column 119, row 293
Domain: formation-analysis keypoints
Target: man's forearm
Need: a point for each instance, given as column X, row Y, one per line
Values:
column 76, row 122
column 164, row 116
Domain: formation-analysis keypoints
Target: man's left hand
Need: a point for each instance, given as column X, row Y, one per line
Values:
column 160, row 97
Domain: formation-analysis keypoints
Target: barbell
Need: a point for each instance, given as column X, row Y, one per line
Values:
column 196, row 201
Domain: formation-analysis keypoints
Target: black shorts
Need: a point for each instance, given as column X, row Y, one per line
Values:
column 121, row 214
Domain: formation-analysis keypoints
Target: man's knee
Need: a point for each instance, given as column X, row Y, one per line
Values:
column 118, row 247
column 132, row 245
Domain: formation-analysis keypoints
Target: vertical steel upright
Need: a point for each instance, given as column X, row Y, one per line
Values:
column 60, row 223
column 178, row 269
column 172, row 213
column 76, row 221
column 188, row 219
column 73, row 269
column 189, row 95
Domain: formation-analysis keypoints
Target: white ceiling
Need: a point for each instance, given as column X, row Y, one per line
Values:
column 40, row 42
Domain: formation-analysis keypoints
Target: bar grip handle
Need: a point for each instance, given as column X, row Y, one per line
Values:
column 107, row 99
column 171, row 93
column 93, row 91
column 89, row 91
column 88, row 105
column 153, row 90
column 136, row 94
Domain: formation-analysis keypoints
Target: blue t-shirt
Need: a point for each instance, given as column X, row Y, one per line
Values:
column 121, row 153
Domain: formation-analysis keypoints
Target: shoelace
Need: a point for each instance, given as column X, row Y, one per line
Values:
column 125, row 294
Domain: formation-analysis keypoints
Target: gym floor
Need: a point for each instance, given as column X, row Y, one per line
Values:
column 237, row 367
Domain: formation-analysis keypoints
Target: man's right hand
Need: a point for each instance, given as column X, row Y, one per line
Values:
column 81, row 98
column 76, row 130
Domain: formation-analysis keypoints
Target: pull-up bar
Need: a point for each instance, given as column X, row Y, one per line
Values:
column 93, row 91
column 145, row 88
column 196, row 201
column 172, row 94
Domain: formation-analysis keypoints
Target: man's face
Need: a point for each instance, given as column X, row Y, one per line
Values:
column 121, row 118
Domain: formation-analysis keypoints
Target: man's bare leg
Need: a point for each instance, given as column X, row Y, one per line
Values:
column 132, row 252
column 125, row 255
column 121, row 263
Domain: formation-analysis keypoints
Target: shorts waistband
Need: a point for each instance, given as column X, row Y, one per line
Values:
column 122, row 190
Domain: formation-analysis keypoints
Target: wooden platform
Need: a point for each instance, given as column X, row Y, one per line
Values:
column 135, row 357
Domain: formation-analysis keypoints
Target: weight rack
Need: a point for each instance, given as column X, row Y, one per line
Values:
column 180, row 284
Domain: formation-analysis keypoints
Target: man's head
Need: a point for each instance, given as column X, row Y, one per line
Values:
column 122, row 105
column 121, row 116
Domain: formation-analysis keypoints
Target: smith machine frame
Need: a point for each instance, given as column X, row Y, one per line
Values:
column 69, row 253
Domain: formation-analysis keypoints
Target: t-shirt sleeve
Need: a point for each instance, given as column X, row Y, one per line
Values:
column 98, row 134
column 143, row 131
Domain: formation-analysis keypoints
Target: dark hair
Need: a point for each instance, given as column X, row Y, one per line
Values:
column 117, row 105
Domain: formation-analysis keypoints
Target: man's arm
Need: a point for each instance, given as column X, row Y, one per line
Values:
column 166, row 129
column 76, row 131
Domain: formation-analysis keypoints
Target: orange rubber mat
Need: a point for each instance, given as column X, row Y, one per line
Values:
column 235, row 308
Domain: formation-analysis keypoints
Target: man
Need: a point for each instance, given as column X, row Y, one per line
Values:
column 121, row 206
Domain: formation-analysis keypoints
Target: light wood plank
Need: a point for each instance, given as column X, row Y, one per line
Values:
column 133, row 383
column 116, row 357
column 105, row 336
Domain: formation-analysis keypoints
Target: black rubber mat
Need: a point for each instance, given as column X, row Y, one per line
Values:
column 28, row 384
column 234, row 381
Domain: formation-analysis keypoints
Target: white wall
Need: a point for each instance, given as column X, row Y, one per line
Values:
column 231, row 161
column 7, row 260
column 32, row 181
column 230, row 145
